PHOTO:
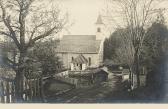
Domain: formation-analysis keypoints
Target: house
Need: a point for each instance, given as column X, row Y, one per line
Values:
column 80, row 52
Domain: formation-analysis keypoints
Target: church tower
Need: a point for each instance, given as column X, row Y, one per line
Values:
column 99, row 28
column 100, row 36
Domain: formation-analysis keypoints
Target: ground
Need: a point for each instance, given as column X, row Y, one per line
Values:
column 90, row 94
column 112, row 91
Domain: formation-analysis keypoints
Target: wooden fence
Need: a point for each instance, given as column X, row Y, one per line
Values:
column 31, row 90
column 7, row 91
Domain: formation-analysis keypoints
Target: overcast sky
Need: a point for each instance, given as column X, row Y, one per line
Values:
column 83, row 13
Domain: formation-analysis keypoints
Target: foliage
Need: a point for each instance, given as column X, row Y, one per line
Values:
column 154, row 54
column 137, row 15
column 44, row 53
column 25, row 22
column 118, row 46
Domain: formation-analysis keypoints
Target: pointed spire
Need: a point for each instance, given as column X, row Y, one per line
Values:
column 99, row 20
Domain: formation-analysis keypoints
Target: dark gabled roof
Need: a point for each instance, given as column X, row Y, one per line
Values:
column 80, row 60
column 79, row 37
column 78, row 44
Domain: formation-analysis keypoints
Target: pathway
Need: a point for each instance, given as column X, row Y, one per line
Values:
column 96, row 94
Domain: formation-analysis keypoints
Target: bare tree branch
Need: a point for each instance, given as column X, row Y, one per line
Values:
column 47, row 33
column 6, row 21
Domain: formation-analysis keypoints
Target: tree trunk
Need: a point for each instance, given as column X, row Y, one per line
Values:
column 19, row 86
column 135, row 77
column 20, row 78
column 137, row 71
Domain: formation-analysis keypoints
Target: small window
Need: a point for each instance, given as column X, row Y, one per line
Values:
column 89, row 61
column 98, row 30
column 72, row 58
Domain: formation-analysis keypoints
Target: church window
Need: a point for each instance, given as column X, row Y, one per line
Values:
column 89, row 61
column 98, row 30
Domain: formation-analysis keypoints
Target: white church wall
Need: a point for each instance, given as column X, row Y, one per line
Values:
column 66, row 58
column 101, row 52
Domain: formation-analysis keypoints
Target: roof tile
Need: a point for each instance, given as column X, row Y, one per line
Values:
column 79, row 44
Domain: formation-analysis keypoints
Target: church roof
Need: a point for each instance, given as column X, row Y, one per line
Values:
column 80, row 59
column 78, row 44
column 99, row 20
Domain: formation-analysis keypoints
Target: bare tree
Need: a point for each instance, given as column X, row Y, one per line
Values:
column 136, row 15
column 25, row 22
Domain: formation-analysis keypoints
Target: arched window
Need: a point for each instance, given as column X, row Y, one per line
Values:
column 89, row 61
column 72, row 58
column 98, row 30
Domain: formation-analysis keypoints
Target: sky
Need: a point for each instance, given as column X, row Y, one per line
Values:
column 83, row 14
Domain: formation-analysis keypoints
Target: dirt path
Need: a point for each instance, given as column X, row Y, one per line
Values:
column 96, row 94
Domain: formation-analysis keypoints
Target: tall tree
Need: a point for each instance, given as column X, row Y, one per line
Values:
column 25, row 22
column 115, row 47
column 137, row 15
column 154, row 55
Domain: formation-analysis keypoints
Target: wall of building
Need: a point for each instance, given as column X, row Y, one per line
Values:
column 101, row 52
column 66, row 58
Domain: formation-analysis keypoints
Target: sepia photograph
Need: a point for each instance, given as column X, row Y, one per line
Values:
column 83, row 51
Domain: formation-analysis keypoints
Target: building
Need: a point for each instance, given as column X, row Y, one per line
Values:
column 89, row 77
column 79, row 52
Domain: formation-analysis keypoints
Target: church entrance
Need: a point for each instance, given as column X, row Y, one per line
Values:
column 79, row 63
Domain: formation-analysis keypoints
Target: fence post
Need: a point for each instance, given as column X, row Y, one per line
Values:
column 25, row 90
column 28, row 90
column 13, row 92
column 38, row 89
column 2, row 96
column 30, row 86
column 10, row 91
column 42, row 96
column 1, row 92
column 34, row 89
column 7, row 92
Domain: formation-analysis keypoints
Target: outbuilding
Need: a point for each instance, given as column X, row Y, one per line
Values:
column 93, row 76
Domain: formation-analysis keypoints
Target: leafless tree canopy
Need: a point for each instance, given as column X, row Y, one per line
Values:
column 27, row 21
column 135, row 16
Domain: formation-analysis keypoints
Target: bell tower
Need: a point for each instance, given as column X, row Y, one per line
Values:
column 99, row 28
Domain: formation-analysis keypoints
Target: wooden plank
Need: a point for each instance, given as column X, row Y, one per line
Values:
column 2, row 99
column 7, row 92
column 27, row 90
column 34, row 87
column 38, row 88
column 30, row 87
column 13, row 92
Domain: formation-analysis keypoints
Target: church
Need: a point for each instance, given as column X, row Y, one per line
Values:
column 81, row 52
